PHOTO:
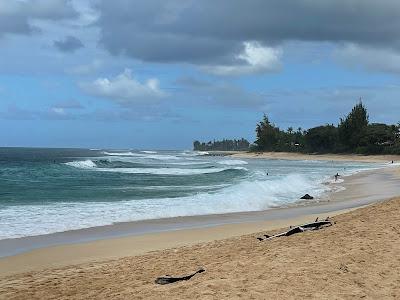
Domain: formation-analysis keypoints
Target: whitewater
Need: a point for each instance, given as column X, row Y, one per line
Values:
column 54, row 190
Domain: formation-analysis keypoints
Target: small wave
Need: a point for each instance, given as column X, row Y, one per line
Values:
column 149, row 152
column 144, row 155
column 195, row 153
column 168, row 171
column 82, row 164
column 121, row 153
column 189, row 163
column 233, row 162
column 161, row 157
column 202, row 153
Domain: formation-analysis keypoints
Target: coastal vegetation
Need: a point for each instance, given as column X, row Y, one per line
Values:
column 224, row 145
column 353, row 134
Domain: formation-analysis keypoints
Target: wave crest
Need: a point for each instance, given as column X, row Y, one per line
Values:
column 233, row 162
column 82, row 164
column 89, row 164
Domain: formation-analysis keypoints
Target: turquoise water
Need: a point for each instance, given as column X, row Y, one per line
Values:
column 52, row 190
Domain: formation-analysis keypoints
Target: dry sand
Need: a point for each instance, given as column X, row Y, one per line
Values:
column 301, row 156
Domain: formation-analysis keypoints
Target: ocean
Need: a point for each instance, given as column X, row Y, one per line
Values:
column 53, row 190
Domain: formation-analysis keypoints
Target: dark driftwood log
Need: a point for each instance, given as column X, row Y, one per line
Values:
column 307, row 197
column 305, row 227
column 170, row 279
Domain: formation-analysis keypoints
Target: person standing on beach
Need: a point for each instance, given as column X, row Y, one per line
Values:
column 336, row 176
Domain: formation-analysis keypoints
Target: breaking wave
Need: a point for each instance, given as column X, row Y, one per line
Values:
column 245, row 196
column 89, row 164
column 233, row 162
column 121, row 153
column 82, row 164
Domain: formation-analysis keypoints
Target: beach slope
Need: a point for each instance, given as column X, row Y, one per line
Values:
column 358, row 257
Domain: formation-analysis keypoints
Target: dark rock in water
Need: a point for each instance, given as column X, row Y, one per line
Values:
column 307, row 197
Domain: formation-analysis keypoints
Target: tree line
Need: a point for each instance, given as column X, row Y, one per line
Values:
column 224, row 145
column 353, row 134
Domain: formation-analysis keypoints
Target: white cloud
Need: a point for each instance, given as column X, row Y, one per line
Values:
column 372, row 59
column 124, row 89
column 254, row 59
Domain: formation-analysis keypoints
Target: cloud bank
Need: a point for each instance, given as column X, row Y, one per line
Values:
column 218, row 32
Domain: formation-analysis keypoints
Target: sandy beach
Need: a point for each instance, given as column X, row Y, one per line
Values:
column 301, row 156
column 357, row 257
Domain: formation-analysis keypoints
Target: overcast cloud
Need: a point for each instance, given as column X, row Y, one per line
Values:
column 209, row 32
column 69, row 44
column 16, row 16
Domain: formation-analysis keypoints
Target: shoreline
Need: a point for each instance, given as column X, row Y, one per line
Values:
column 126, row 239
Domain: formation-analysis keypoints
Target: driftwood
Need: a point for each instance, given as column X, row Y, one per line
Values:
column 170, row 279
column 305, row 227
column 307, row 197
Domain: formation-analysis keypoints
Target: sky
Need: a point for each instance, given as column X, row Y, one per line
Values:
column 159, row 74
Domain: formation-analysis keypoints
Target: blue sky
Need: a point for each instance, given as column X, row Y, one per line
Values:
column 160, row 74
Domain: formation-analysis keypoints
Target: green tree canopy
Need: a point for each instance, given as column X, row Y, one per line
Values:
column 353, row 127
column 322, row 139
column 267, row 135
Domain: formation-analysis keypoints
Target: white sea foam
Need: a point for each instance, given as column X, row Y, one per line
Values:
column 233, row 162
column 82, row 164
column 148, row 152
column 245, row 196
column 194, row 153
column 336, row 181
column 89, row 164
column 144, row 155
column 121, row 153
column 202, row 153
